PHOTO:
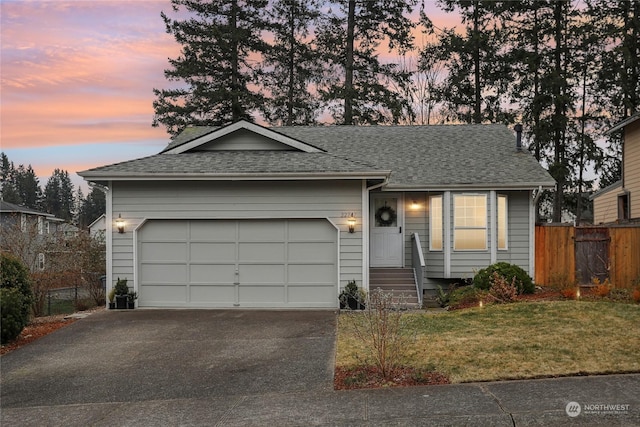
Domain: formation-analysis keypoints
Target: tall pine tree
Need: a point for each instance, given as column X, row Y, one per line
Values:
column 58, row 195
column 215, row 75
column 292, row 64
column 356, row 83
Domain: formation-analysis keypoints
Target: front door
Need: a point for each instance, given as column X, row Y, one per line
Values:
column 386, row 230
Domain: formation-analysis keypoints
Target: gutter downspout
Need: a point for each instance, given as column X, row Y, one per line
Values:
column 532, row 232
column 365, row 230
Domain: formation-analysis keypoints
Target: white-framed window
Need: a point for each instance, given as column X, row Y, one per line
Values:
column 40, row 225
column 41, row 261
column 503, row 221
column 47, row 227
column 435, row 223
column 23, row 222
column 469, row 222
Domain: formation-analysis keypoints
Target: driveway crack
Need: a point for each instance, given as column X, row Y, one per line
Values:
column 490, row 393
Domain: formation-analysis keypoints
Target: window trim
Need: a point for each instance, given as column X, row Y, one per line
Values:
column 41, row 261
column 457, row 227
column 433, row 220
column 506, row 222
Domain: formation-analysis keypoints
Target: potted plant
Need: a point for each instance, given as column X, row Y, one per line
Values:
column 131, row 299
column 112, row 297
column 352, row 297
column 122, row 293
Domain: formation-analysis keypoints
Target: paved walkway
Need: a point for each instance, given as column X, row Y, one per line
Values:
column 244, row 368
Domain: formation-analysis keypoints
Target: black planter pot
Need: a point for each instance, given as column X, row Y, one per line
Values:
column 112, row 305
column 351, row 302
column 354, row 303
column 121, row 302
column 131, row 305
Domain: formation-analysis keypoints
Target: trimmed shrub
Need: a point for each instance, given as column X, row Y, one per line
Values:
column 15, row 275
column 11, row 319
column 507, row 271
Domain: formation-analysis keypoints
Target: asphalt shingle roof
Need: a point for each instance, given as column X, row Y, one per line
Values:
column 418, row 156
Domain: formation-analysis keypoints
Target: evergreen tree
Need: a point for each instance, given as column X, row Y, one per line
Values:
column 292, row 64
column 215, row 75
column 28, row 187
column 355, row 82
column 58, row 195
column 92, row 207
column 477, row 80
column 8, row 181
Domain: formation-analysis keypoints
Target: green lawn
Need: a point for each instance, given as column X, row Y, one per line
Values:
column 520, row 340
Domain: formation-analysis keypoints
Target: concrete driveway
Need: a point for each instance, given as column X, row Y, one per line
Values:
column 143, row 355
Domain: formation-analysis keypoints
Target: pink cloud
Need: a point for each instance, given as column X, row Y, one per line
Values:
column 80, row 72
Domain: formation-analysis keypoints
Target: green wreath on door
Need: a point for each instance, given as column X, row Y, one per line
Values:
column 386, row 216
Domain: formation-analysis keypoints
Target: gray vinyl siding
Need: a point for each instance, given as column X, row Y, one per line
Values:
column 137, row 201
column 518, row 230
column 415, row 221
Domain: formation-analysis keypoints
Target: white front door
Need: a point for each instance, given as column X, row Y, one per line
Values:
column 386, row 230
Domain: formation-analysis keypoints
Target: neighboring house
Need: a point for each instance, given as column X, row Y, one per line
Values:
column 248, row 216
column 26, row 230
column 98, row 228
column 620, row 202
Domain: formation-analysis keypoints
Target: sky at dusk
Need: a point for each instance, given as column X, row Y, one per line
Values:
column 77, row 80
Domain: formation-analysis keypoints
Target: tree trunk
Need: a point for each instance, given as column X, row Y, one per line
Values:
column 236, row 110
column 477, row 102
column 292, row 59
column 348, row 82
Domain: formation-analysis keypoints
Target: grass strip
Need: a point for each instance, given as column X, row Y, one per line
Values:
column 513, row 341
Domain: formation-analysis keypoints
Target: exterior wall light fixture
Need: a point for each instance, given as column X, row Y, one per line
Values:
column 352, row 223
column 120, row 224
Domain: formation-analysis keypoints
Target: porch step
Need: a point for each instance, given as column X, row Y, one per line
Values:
column 399, row 282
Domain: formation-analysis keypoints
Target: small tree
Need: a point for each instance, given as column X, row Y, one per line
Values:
column 379, row 326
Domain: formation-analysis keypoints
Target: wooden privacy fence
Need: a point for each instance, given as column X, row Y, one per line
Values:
column 578, row 254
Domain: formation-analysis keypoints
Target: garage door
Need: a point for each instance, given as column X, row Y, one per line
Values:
column 237, row 263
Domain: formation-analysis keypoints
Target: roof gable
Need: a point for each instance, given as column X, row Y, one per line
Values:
column 239, row 136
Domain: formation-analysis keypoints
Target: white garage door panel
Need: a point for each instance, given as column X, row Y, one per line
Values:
column 165, row 295
column 261, row 273
column 261, row 295
column 309, row 295
column 262, row 252
column 245, row 263
column 322, row 252
column 163, row 273
column 213, row 231
column 205, row 252
column 165, row 251
column 311, row 274
column 205, row 295
column 212, row 273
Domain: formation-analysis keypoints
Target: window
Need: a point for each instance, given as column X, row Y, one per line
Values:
column 40, row 225
column 23, row 222
column 40, row 261
column 435, row 223
column 470, row 222
column 502, row 222
column 623, row 206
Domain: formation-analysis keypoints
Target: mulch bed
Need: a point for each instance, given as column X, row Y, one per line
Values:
column 38, row 328
column 370, row 377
